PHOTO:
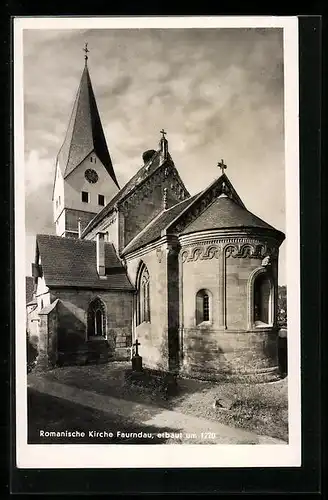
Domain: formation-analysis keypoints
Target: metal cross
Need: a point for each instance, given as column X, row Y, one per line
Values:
column 163, row 133
column 86, row 51
column 222, row 166
column 136, row 344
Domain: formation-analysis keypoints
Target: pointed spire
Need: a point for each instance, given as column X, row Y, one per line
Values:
column 85, row 133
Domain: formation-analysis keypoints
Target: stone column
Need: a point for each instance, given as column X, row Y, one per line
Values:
column 222, row 285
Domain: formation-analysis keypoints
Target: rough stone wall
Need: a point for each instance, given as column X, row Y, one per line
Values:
column 47, row 340
column 153, row 336
column 73, row 343
column 147, row 202
column 238, row 272
column 226, row 344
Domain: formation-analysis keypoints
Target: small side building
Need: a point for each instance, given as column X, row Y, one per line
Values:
column 84, row 300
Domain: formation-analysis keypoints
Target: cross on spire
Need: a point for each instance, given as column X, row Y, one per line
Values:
column 163, row 133
column 86, row 50
column 222, row 166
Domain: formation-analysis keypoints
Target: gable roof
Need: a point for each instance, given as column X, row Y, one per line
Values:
column 141, row 175
column 85, row 133
column 225, row 213
column 47, row 309
column 154, row 229
column 71, row 262
column 210, row 209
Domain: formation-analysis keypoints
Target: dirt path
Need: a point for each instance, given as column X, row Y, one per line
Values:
column 185, row 428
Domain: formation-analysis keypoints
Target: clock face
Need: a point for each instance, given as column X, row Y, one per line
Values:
column 91, row 176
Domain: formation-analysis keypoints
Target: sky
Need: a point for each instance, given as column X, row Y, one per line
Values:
column 219, row 94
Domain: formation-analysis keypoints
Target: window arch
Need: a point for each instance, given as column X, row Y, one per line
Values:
column 261, row 299
column 143, row 297
column 203, row 306
column 97, row 318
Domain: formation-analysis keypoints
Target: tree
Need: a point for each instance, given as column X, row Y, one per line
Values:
column 282, row 306
column 31, row 354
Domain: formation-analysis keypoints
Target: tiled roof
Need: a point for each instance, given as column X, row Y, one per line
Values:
column 29, row 288
column 71, row 262
column 156, row 226
column 139, row 177
column 224, row 213
column 85, row 133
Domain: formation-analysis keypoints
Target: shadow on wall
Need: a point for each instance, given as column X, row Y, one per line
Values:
column 72, row 344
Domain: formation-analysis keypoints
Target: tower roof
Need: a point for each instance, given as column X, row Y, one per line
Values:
column 85, row 133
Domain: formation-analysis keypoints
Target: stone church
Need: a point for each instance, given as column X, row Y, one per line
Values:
column 193, row 278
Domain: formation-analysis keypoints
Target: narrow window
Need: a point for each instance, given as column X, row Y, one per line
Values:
column 98, row 323
column 96, row 319
column 56, row 203
column 206, row 308
column 59, row 201
column 203, row 306
column 91, row 159
column 262, row 300
column 143, row 309
column 85, row 197
column 101, row 200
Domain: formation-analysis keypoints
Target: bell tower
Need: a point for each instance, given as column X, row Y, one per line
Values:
column 85, row 180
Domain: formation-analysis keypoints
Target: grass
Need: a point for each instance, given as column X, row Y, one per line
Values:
column 261, row 408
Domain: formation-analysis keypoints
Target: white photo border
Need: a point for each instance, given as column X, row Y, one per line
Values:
column 168, row 456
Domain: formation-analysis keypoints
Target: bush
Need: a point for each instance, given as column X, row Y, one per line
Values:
column 31, row 354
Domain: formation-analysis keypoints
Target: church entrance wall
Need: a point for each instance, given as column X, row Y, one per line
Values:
column 76, row 343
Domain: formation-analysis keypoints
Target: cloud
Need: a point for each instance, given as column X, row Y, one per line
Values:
column 218, row 93
column 39, row 174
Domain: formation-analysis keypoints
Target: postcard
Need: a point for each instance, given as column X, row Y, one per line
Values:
column 157, row 242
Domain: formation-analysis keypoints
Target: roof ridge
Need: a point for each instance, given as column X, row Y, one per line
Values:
column 111, row 205
column 223, row 177
column 197, row 195
column 74, row 124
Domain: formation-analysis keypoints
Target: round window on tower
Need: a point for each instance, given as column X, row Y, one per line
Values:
column 91, row 176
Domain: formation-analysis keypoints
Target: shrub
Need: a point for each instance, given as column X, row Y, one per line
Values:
column 31, row 353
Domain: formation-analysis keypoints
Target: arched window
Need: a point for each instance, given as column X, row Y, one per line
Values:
column 203, row 306
column 143, row 301
column 97, row 318
column 262, row 300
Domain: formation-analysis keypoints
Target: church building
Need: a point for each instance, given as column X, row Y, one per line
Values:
column 193, row 278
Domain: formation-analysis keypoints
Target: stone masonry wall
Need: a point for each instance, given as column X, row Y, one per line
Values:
column 226, row 344
column 73, row 343
column 153, row 336
column 147, row 202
